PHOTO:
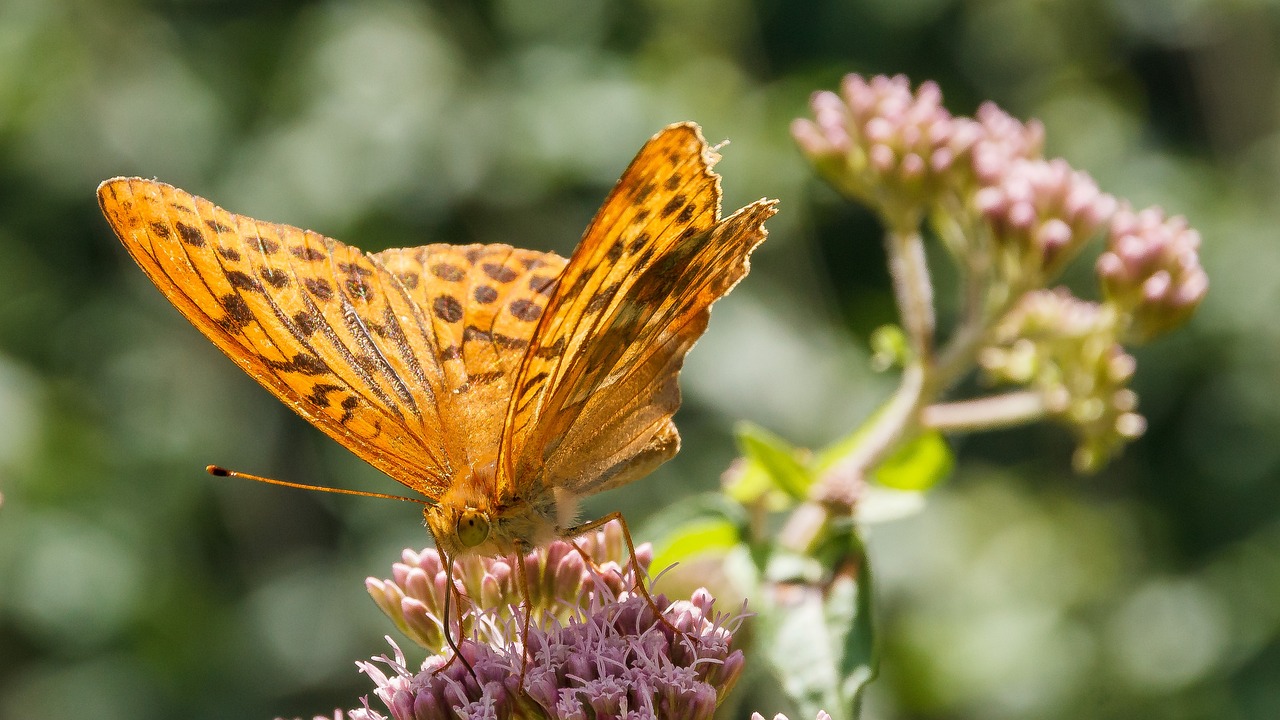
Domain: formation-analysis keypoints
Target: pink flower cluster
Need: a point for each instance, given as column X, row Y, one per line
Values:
column 1041, row 213
column 1012, row 220
column 560, row 583
column 1151, row 270
column 596, row 649
column 882, row 143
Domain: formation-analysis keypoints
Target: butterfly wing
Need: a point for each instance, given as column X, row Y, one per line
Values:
column 594, row 396
column 482, row 307
column 357, row 344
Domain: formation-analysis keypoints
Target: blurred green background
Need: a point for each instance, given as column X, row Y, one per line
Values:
column 134, row 586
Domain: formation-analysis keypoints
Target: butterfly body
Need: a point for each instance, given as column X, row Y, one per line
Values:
column 501, row 384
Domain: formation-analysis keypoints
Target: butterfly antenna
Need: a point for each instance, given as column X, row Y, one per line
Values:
column 218, row 471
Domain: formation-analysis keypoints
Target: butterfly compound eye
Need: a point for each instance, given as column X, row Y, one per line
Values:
column 473, row 527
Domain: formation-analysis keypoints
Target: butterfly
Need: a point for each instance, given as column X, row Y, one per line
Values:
column 500, row 384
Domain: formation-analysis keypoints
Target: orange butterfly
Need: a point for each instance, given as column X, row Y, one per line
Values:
column 501, row 384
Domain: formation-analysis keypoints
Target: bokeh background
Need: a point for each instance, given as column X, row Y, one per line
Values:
column 134, row 586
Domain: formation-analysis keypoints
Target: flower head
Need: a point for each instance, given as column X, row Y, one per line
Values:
column 617, row 660
column 596, row 649
column 883, row 143
column 1002, row 140
column 1151, row 271
column 1067, row 349
column 560, row 582
column 1040, row 214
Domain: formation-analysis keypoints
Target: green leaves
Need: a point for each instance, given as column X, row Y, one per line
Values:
column 812, row 597
column 770, row 466
column 779, row 474
column 819, row 638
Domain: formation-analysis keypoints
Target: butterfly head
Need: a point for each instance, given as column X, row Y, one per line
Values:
column 471, row 519
column 461, row 528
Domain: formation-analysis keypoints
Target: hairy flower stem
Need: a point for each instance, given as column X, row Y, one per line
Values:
column 895, row 419
column 913, row 289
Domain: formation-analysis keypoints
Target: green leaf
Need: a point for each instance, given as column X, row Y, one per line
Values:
column 879, row 504
column 694, row 538
column 831, row 455
column 748, row 483
column 818, row 637
column 676, row 529
column 780, row 463
column 921, row 463
column 848, row 616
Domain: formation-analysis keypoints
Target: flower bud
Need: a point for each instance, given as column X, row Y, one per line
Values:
column 883, row 144
column 1066, row 349
column 1151, row 271
column 559, row 581
column 1040, row 214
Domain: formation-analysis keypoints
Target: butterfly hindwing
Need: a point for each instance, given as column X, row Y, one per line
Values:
column 477, row 306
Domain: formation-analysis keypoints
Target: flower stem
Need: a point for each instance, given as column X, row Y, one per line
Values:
column 890, row 425
column 985, row 413
column 912, row 288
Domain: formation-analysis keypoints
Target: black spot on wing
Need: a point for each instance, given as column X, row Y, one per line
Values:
column 525, row 310
column 319, row 287
column 447, row 308
column 190, row 235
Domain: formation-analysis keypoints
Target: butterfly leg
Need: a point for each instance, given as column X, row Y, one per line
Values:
column 587, row 527
column 449, row 591
column 522, row 576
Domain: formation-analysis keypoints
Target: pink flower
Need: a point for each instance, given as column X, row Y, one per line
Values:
column 617, row 661
column 882, row 143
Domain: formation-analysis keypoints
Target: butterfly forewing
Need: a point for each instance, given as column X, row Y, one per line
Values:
column 595, row 395
column 626, row 420
column 360, row 345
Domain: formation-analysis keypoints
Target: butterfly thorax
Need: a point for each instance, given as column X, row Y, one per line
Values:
column 469, row 520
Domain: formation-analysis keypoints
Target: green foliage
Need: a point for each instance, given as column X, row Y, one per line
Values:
column 919, row 464
column 813, row 604
column 819, row 639
column 771, row 467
